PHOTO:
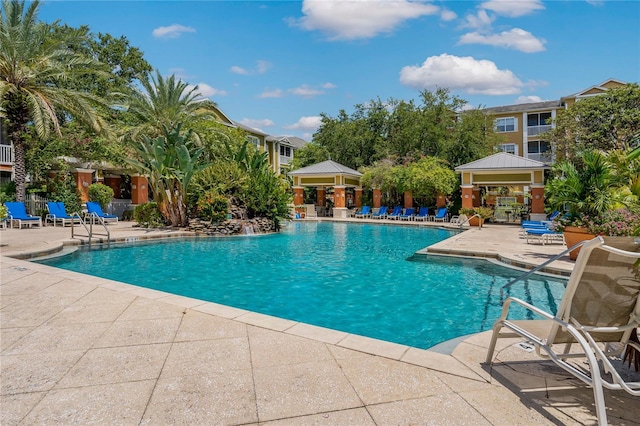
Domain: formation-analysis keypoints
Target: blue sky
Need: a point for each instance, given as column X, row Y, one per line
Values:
column 276, row 65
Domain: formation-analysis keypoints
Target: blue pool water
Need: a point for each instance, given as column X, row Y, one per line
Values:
column 357, row 278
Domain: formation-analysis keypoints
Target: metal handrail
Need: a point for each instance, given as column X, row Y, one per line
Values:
column 89, row 230
column 469, row 218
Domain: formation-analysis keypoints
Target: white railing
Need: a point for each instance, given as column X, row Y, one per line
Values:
column 284, row 159
column 6, row 154
column 35, row 204
column 538, row 130
column 544, row 157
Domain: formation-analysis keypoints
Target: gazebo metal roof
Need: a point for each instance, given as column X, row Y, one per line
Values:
column 326, row 168
column 502, row 161
column 326, row 174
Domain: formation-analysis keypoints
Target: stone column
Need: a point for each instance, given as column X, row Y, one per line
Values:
column 537, row 202
column 339, row 202
column 358, row 194
column 377, row 197
column 476, row 197
column 321, row 195
column 408, row 199
column 139, row 190
column 441, row 200
column 84, row 178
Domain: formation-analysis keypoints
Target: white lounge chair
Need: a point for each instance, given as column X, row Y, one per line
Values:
column 598, row 312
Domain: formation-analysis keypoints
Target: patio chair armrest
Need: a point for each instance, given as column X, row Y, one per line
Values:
column 507, row 304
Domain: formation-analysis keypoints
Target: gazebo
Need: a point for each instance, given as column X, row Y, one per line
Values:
column 503, row 170
column 326, row 175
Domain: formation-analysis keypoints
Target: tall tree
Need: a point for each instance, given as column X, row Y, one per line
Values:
column 34, row 60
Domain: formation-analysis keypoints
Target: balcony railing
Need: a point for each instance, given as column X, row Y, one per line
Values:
column 538, row 130
column 6, row 154
column 285, row 159
column 544, row 157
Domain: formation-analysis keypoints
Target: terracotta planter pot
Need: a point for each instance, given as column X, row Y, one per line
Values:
column 476, row 221
column 573, row 235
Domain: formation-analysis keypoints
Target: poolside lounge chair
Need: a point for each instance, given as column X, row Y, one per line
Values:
column 423, row 214
column 380, row 214
column 364, row 212
column 94, row 211
column 395, row 214
column 594, row 321
column 543, row 235
column 58, row 213
column 408, row 214
column 18, row 213
column 440, row 216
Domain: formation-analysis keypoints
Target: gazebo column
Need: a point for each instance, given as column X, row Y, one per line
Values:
column 467, row 196
column 377, row 198
column 321, row 196
column 113, row 182
column 298, row 195
column 84, row 178
column 476, row 197
column 339, row 202
column 441, row 200
column 139, row 190
column 537, row 203
column 358, row 192
column 408, row 199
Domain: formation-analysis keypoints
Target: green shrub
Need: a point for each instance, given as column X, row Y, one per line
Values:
column 63, row 188
column 4, row 212
column 148, row 215
column 212, row 206
column 127, row 215
column 8, row 192
column 100, row 193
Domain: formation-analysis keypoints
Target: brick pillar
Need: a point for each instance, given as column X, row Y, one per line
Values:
column 298, row 195
column 441, row 200
column 467, row 196
column 84, row 178
column 139, row 190
column 113, row 182
column 321, row 195
column 358, row 192
column 408, row 199
column 339, row 199
column 537, row 199
column 377, row 197
column 476, row 197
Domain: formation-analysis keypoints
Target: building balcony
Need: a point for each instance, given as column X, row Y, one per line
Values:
column 6, row 155
column 543, row 157
column 284, row 159
column 538, row 130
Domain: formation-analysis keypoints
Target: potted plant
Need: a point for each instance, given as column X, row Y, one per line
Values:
column 482, row 213
column 588, row 188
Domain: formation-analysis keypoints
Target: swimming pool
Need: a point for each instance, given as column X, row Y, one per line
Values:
column 357, row 278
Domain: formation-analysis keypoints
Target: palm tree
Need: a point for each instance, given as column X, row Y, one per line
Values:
column 165, row 102
column 35, row 61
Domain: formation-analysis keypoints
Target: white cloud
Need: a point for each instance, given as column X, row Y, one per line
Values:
column 207, row 91
column 180, row 73
column 359, row 19
column 238, row 70
column 172, row 31
column 263, row 66
column 310, row 123
column 258, row 124
column 480, row 21
column 465, row 73
column 512, row 8
column 306, row 91
column 275, row 93
column 329, row 85
column 516, row 38
column 448, row 15
column 528, row 100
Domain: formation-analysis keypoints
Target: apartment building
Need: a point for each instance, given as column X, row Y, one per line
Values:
column 524, row 125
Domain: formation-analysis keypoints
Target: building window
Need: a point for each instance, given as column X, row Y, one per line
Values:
column 254, row 140
column 509, row 148
column 538, row 123
column 507, row 124
column 285, row 151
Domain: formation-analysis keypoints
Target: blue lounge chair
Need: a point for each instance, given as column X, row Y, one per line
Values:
column 397, row 211
column 380, row 214
column 58, row 213
column 94, row 211
column 408, row 214
column 441, row 215
column 423, row 214
column 18, row 213
column 543, row 235
column 364, row 212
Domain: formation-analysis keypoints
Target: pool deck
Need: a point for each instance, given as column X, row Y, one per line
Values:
column 77, row 349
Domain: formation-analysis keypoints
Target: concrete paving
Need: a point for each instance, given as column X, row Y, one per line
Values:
column 77, row 349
